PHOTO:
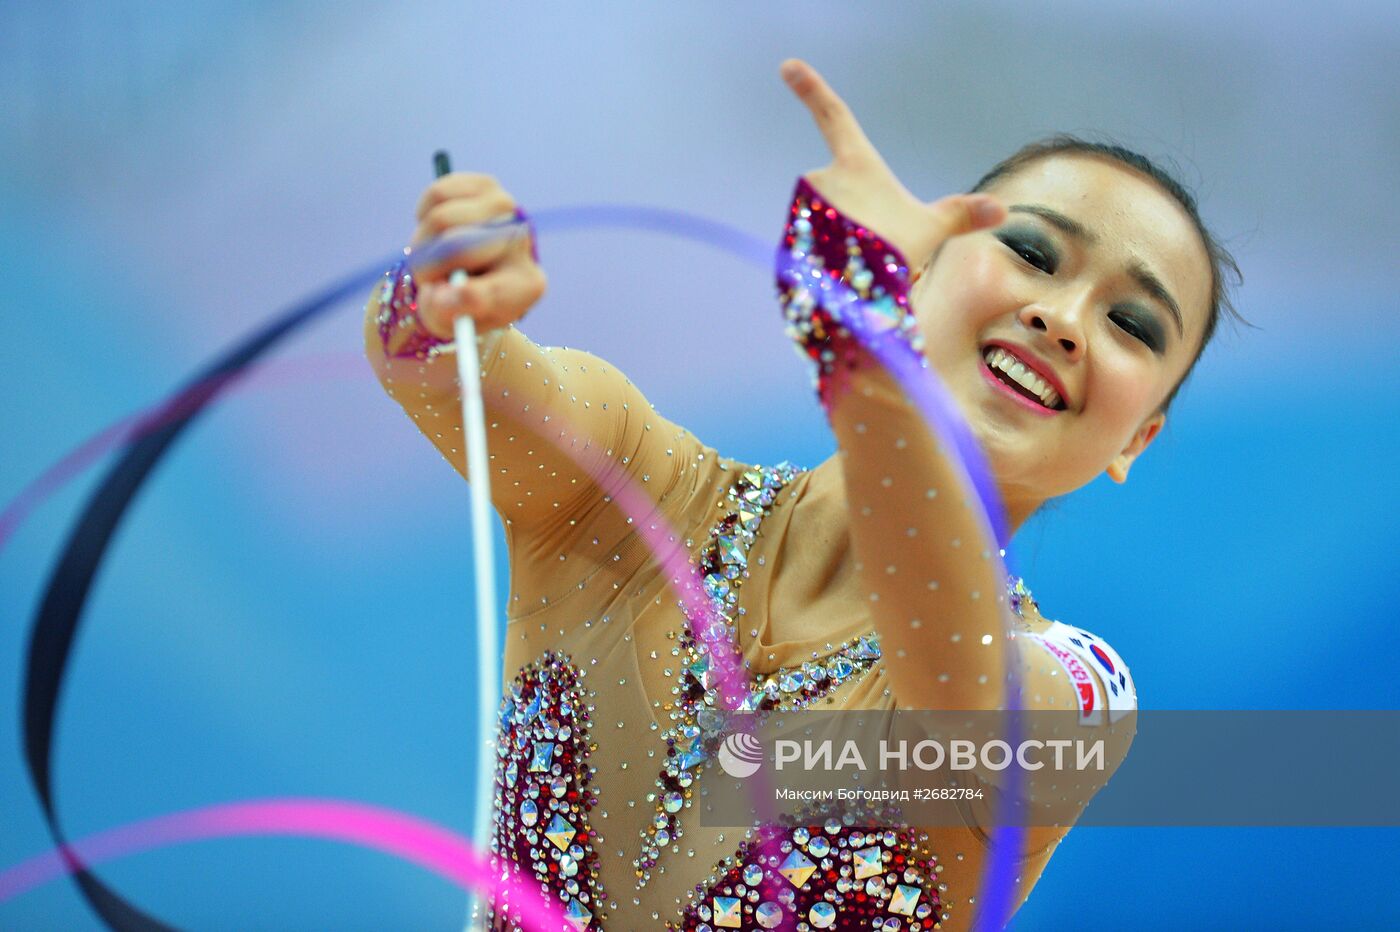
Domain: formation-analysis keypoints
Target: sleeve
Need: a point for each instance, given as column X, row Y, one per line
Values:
column 564, row 430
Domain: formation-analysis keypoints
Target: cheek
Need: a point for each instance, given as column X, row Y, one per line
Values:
column 966, row 287
column 1125, row 392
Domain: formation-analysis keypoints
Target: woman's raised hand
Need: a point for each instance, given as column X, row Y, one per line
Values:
column 503, row 278
column 860, row 185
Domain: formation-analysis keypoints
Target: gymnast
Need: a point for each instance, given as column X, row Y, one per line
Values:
column 1062, row 302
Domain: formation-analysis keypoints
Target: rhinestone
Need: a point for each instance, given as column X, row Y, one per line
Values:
column 560, row 832
column 542, row 756
column 797, row 868
column 904, row 900
column 792, row 681
column 867, row 862
column 768, row 915
column 726, row 909
column 579, row 917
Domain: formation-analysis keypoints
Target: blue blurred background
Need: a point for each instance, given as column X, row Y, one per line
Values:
column 286, row 609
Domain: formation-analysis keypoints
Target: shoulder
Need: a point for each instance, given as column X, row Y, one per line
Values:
column 1103, row 677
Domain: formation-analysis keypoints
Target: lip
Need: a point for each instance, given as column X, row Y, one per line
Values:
column 1037, row 365
column 1000, row 386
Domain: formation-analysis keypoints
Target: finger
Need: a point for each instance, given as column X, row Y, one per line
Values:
column 478, row 249
column 844, row 137
column 965, row 213
column 462, row 212
column 493, row 299
column 476, row 261
column 456, row 184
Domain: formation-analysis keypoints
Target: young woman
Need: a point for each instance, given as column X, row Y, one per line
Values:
column 1062, row 304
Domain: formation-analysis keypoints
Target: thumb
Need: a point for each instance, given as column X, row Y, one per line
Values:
column 965, row 213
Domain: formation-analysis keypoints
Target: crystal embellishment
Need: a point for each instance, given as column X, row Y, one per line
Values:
column 698, row 707
column 579, row 917
column 867, row 863
column 726, row 910
column 744, row 893
column 797, row 868
column 822, row 915
column 543, row 791
column 904, row 900
column 840, row 286
column 560, row 833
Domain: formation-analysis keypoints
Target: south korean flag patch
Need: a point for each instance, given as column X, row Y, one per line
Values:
column 1121, row 695
column 1086, row 687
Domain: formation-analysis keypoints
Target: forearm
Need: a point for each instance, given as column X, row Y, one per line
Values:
column 564, row 428
column 933, row 587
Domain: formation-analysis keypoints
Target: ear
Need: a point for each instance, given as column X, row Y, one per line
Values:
column 1118, row 469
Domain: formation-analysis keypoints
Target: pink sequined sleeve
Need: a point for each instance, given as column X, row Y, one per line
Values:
column 554, row 417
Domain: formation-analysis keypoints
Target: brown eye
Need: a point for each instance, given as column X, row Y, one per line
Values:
column 1031, row 250
column 1135, row 328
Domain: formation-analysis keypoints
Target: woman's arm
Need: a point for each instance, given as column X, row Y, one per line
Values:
column 934, row 588
column 930, row 580
column 563, row 425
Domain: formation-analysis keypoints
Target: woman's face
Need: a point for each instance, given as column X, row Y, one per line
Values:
column 1078, row 284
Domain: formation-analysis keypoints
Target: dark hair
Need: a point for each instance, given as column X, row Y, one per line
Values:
column 1223, row 265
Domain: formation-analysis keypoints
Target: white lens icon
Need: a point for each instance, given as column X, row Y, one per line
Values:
column 741, row 755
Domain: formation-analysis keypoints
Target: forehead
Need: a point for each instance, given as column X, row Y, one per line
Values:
column 1131, row 215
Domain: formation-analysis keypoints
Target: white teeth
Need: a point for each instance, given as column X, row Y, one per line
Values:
column 998, row 358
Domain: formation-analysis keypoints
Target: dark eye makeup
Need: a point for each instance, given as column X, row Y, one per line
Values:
column 1141, row 325
column 1033, row 248
column 1037, row 250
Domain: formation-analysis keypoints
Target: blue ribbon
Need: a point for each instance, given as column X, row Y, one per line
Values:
column 57, row 622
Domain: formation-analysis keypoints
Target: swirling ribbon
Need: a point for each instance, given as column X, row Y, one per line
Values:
column 146, row 440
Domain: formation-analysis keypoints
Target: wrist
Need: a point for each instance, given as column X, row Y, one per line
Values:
column 401, row 328
column 844, row 291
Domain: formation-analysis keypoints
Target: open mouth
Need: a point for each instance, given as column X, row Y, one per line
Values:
column 1022, row 380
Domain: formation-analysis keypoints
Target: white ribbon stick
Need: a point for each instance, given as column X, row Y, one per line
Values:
column 488, row 662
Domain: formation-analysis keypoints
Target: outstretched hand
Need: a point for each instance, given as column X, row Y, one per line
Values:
column 860, row 185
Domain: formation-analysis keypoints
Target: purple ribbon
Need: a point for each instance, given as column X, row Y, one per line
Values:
column 148, row 436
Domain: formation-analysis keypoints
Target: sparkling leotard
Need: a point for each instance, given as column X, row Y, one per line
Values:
column 603, row 720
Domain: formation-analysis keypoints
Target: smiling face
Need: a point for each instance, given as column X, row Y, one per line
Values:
column 1056, row 331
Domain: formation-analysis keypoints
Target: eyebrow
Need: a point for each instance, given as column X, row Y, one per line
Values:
column 1153, row 286
column 1140, row 272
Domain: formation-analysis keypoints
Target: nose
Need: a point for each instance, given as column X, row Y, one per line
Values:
column 1062, row 326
